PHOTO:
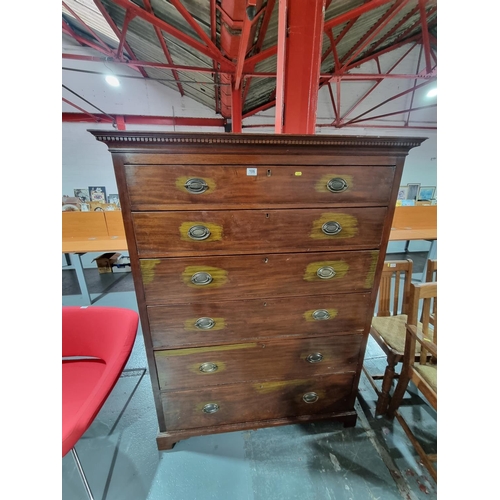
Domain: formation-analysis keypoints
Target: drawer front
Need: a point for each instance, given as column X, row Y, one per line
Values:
column 211, row 323
column 180, row 280
column 172, row 187
column 245, row 231
column 212, row 406
column 272, row 360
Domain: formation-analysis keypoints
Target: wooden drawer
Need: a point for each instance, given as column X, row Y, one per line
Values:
column 170, row 281
column 245, row 231
column 257, row 401
column 162, row 187
column 272, row 360
column 200, row 323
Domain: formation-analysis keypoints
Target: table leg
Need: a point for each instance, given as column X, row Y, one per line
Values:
column 432, row 254
column 76, row 261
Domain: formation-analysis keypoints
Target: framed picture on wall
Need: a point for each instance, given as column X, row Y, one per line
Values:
column 403, row 192
column 82, row 194
column 113, row 198
column 426, row 193
column 413, row 190
column 97, row 193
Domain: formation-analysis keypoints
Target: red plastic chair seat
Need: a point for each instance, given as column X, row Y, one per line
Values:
column 105, row 333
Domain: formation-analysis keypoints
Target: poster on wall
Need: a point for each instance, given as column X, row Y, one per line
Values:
column 413, row 190
column 97, row 193
column 113, row 198
column 82, row 194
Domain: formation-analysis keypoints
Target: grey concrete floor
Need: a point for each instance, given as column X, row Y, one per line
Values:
column 373, row 460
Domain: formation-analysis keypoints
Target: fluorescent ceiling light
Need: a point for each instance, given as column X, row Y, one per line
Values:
column 112, row 80
column 432, row 92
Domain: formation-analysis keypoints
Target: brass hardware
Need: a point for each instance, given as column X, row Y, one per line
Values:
column 201, row 278
column 212, row 407
column 336, row 185
column 321, row 314
column 196, row 186
column 198, row 232
column 314, row 358
column 208, row 367
column 325, row 272
column 204, row 323
column 310, row 397
column 331, row 227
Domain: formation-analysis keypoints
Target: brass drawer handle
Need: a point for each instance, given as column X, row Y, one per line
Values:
column 211, row 408
column 310, row 397
column 331, row 227
column 208, row 367
column 326, row 272
column 321, row 314
column 201, row 278
column 198, row 232
column 196, row 186
column 336, row 185
column 204, row 323
column 314, row 358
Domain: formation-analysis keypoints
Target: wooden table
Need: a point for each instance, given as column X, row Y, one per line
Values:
column 84, row 232
column 416, row 223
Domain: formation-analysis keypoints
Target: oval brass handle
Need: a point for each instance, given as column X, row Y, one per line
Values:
column 320, row 314
column 208, row 367
column 331, row 227
column 198, row 232
column 204, row 323
column 336, row 185
column 314, row 358
column 211, row 408
column 201, row 278
column 310, row 397
column 196, row 186
column 326, row 272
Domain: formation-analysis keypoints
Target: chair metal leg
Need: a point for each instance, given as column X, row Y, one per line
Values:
column 82, row 474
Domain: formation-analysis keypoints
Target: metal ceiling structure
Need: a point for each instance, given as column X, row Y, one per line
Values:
column 241, row 57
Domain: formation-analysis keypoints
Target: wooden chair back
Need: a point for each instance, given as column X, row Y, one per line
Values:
column 431, row 275
column 394, row 294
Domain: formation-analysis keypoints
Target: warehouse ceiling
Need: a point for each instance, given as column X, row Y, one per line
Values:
column 230, row 55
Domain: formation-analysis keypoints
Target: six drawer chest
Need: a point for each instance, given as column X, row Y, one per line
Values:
column 256, row 261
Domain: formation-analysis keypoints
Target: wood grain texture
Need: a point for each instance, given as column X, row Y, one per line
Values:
column 230, row 186
column 163, row 234
column 256, row 361
column 251, row 264
column 256, row 401
column 244, row 320
column 280, row 275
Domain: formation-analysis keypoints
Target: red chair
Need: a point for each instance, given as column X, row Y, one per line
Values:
column 96, row 345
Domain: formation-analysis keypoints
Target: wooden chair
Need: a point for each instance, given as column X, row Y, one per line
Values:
column 431, row 275
column 423, row 373
column 388, row 324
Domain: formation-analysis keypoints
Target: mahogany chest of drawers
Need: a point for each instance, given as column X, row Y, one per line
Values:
column 256, row 263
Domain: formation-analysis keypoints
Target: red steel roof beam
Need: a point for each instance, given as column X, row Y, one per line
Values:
column 373, row 32
column 145, row 120
column 95, row 35
column 213, row 35
column 347, row 27
column 393, row 113
column 425, row 35
column 164, row 47
column 145, row 64
column 243, row 47
column 92, row 117
column 354, row 120
column 236, row 110
column 83, row 41
column 414, row 85
column 378, row 83
column 302, row 65
column 208, row 51
column 128, row 17
column 280, row 65
column 260, row 40
column 116, row 31
column 194, row 24
column 351, row 14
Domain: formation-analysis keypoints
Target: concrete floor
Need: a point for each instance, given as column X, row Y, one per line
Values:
column 373, row 460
